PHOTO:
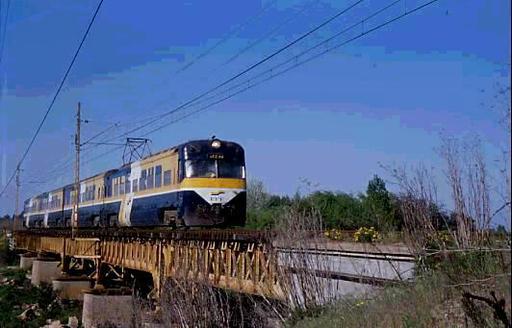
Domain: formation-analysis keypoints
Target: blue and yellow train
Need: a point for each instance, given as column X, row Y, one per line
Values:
column 196, row 184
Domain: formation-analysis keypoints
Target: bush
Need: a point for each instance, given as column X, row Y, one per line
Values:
column 366, row 235
column 334, row 234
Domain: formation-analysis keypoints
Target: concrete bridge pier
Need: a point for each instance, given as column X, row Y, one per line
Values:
column 45, row 270
column 26, row 261
column 72, row 288
column 109, row 307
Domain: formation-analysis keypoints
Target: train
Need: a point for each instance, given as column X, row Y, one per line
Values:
column 200, row 183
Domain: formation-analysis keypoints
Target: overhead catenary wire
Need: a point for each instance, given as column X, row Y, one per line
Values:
column 225, row 38
column 296, row 64
column 68, row 160
column 243, row 72
column 50, row 107
column 296, row 57
column 272, row 69
column 300, row 63
column 3, row 34
column 269, row 33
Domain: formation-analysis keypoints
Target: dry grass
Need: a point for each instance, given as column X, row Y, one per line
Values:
column 438, row 298
column 432, row 301
column 186, row 303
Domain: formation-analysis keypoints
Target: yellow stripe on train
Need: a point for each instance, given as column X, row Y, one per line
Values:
column 212, row 183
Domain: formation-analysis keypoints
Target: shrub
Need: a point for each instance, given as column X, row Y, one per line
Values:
column 366, row 235
column 334, row 234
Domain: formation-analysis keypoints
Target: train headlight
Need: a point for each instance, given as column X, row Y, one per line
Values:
column 216, row 144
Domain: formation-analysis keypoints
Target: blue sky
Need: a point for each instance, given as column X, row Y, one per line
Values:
column 384, row 98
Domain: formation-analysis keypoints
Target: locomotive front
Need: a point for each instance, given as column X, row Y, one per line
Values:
column 213, row 183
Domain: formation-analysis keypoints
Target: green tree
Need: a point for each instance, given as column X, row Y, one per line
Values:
column 339, row 210
column 379, row 205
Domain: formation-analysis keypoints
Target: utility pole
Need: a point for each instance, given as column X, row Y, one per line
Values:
column 75, row 215
column 16, row 207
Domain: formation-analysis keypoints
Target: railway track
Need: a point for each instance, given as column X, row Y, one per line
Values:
column 370, row 255
column 238, row 235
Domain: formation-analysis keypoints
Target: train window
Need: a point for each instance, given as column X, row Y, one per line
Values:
column 200, row 169
column 135, row 185
column 231, row 170
column 142, row 184
column 158, row 176
column 116, row 187
column 142, row 180
column 167, row 177
column 127, row 186
column 121, row 186
column 150, row 178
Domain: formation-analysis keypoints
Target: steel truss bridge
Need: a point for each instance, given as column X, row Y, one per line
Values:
column 238, row 260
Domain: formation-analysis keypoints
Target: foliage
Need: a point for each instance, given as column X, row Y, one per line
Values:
column 366, row 235
column 18, row 294
column 440, row 240
column 437, row 298
column 6, row 256
column 335, row 234
column 378, row 203
column 339, row 210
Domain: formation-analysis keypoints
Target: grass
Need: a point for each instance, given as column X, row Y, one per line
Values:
column 438, row 298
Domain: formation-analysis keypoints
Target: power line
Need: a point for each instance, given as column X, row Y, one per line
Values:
column 3, row 36
column 245, row 71
column 295, row 58
column 250, row 85
column 99, row 134
column 269, row 33
column 295, row 65
column 197, row 99
column 300, row 63
column 67, row 161
column 55, row 96
column 225, row 38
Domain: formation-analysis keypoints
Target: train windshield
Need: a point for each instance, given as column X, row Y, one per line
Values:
column 213, row 168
